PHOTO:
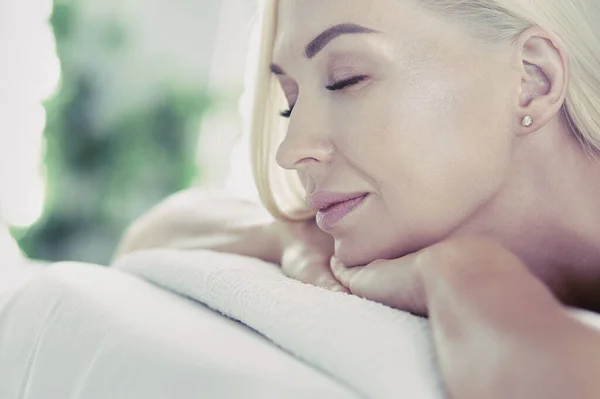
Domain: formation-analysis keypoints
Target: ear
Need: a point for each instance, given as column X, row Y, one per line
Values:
column 544, row 78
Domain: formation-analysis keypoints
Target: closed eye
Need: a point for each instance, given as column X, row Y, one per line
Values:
column 287, row 113
column 345, row 83
column 342, row 84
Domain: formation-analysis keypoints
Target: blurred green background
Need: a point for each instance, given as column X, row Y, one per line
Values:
column 125, row 122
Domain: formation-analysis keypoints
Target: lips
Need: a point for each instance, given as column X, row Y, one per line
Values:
column 323, row 200
column 334, row 207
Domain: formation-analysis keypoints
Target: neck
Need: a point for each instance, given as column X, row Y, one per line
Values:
column 548, row 214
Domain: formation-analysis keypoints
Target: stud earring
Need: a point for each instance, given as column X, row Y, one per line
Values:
column 527, row 121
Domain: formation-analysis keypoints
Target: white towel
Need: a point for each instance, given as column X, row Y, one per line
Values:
column 378, row 351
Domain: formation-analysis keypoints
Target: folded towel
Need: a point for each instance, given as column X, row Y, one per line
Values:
column 378, row 351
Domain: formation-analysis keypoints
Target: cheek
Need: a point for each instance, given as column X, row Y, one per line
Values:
column 448, row 131
column 366, row 133
column 430, row 171
column 436, row 152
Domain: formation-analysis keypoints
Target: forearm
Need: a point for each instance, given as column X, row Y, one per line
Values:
column 200, row 219
column 253, row 239
column 500, row 334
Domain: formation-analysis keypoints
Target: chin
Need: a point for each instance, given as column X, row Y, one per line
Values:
column 350, row 257
column 352, row 253
column 359, row 252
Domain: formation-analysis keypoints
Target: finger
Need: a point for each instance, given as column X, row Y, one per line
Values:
column 327, row 280
column 394, row 283
column 315, row 272
column 343, row 274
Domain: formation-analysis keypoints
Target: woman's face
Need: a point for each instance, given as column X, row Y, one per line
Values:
column 424, row 126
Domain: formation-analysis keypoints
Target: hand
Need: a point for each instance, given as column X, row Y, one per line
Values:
column 397, row 283
column 306, row 254
column 220, row 221
column 409, row 282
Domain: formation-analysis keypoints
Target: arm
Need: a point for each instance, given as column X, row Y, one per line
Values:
column 206, row 219
column 218, row 221
column 500, row 333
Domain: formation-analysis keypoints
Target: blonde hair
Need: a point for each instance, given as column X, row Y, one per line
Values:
column 493, row 20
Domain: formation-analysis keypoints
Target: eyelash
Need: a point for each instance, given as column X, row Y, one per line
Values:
column 334, row 87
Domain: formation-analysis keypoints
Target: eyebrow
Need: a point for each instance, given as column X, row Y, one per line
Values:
column 319, row 43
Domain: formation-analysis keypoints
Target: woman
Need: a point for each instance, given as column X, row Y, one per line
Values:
column 449, row 150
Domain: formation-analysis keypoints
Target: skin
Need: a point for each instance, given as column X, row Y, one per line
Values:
column 498, row 331
column 434, row 135
column 483, row 225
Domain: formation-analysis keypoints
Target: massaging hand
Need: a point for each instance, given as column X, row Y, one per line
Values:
column 306, row 254
column 407, row 283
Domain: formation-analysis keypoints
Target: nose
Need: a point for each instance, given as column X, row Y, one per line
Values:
column 305, row 143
